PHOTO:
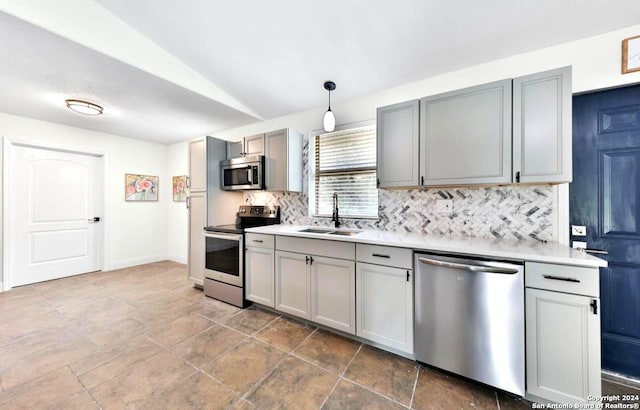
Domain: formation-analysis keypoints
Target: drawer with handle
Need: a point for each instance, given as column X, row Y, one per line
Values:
column 258, row 240
column 385, row 255
column 562, row 278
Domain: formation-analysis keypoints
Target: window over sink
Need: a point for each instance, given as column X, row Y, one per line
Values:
column 345, row 162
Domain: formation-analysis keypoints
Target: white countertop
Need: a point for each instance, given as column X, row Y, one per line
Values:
column 527, row 250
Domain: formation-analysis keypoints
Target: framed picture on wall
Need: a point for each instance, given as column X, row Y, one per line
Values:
column 140, row 187
column 180, row 188
column 631, row 54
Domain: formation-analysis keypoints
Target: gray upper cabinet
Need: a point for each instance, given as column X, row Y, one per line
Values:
column 283, row 160
column 398, row 144
column 542, row 127
column 465, row 136
column 198, row 165
column 253, row 145
column 235, row 149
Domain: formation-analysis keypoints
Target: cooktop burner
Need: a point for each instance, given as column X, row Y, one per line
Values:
column 250, row 216
column 231, row 228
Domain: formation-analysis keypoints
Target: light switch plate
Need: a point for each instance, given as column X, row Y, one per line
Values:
column 578, row 230
column 579, row 244
column 444, row 206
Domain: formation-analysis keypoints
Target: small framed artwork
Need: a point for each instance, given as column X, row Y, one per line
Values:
column 140, row 187
column 631, row 54
column 180, row 188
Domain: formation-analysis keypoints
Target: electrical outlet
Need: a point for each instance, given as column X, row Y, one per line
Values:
column 578, row 230
column 578, row 244
column 444, row 206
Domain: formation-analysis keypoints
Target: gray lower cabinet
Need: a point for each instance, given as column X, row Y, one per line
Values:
column 197, row 203
column 466, row 136
column 259, row 269
column 542, row 109
column 562, row 333
column 316, row 288
column 293, row 284
column 398, row 147
column 384, row 296
column 333, row 293
column 315, row 280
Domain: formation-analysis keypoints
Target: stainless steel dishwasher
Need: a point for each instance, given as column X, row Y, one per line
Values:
column 469, row 318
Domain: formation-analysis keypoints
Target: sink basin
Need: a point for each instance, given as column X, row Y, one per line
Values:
column 316, row 230
column 344, row 233
column 330, row 231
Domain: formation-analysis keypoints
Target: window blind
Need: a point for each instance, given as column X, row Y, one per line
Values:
column 345, row 162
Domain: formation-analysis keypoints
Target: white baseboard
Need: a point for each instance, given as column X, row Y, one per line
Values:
column 178, row 259
column 134, row 262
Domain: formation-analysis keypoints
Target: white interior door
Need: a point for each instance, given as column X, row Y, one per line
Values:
column 53, row 198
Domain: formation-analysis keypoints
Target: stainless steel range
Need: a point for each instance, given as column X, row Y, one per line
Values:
column 224, row 253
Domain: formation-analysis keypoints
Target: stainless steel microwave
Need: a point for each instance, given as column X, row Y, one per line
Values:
column 242, row 173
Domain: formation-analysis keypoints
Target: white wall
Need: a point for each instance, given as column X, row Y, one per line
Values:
column 177, row 213
column 136, row 231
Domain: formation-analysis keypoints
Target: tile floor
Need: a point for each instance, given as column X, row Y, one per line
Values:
column 144, row 338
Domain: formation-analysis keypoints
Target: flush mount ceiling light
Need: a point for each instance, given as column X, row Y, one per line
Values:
column 329, row 120
column 84, row 107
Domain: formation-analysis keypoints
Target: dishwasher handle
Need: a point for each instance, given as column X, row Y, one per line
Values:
column 474, row 268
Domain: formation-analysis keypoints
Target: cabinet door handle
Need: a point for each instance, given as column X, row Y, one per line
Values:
column 306, row 260
column 596, row 251
column 379, row 255
column 518, row 176
column 188, row 202
column 574, row 280
column 594, row 306
column 311, row 260
column 421, row 180
column 408, row 276
column 464, row 266
column 258, row 240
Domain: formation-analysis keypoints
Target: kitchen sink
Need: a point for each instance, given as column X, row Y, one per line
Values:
column 316, row 230
column 329, row 231
column 344, row 233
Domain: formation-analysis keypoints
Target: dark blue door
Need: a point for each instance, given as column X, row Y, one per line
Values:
column 605, row 196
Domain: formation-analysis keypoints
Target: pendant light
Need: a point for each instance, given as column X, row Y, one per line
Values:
column 84, row 107
column 329, row 120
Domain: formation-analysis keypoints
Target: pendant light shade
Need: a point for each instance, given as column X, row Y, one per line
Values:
column 329, row 120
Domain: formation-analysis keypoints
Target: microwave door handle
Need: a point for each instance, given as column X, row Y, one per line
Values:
column 249, row 176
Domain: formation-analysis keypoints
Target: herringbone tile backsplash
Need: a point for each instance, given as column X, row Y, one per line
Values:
column 504, row 212
column 514, row 212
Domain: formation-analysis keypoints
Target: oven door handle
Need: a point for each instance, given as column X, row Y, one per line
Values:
column 228, row 237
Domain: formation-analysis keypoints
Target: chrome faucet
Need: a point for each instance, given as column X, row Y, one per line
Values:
column 336, row 216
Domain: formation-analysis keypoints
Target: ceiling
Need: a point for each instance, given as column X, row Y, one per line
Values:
column 167, row 73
